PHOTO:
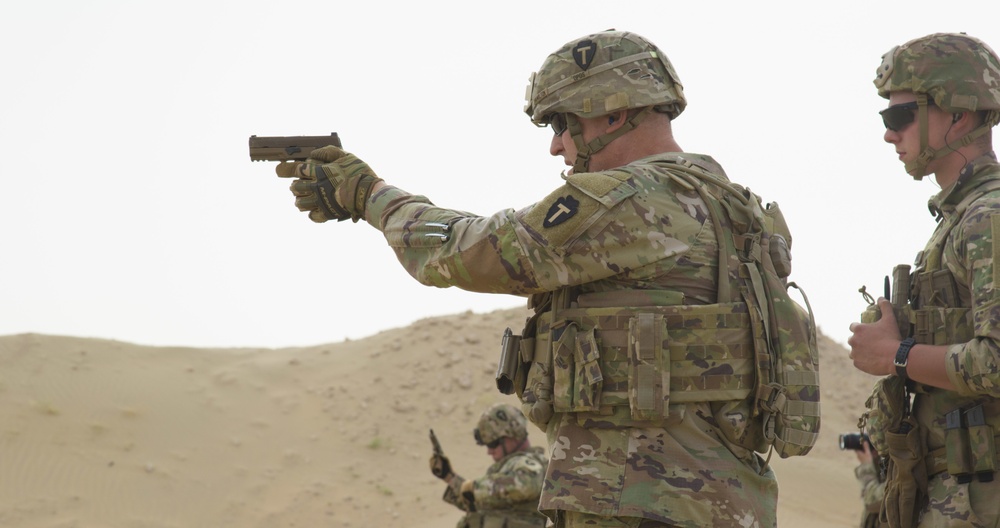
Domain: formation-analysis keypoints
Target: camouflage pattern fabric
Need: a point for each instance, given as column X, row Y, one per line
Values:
column 872, row 492
column 633, row 228
column 972, row 505
column 507, row 495
column 961, row 73
column 601, row 73
column 499, row 421
column 960, row 258
column 958, row 73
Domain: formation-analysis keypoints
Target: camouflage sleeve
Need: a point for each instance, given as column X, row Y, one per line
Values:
column 974, row 367
column 872, row 490
column 453, row 494
column 517, row 480
column 586, row 230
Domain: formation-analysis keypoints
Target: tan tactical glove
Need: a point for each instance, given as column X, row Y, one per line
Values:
column 441, row 467
column 330, row 185
column 468, row 494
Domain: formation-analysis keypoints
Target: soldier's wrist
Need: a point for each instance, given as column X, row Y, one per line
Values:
column 901, row 358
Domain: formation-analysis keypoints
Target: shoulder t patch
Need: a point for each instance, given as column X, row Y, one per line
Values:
column 562, row 210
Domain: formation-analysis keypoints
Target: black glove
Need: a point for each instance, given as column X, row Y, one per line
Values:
column 441, row 467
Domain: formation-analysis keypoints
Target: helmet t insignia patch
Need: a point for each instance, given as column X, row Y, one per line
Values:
column 583, row 53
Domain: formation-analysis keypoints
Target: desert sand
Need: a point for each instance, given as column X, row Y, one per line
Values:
column 106, row 434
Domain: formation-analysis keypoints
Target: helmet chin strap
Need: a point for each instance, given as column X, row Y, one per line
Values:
column 918, row 167
column 585, row 150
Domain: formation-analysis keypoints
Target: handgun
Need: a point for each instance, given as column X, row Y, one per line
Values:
column 288, row 148
column 436, row 444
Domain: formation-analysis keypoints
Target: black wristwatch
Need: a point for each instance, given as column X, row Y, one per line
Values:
column 902, row 356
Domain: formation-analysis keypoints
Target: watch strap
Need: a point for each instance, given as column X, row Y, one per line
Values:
column 903, row 356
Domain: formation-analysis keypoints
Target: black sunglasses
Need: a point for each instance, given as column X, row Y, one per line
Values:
column 479, row 440
column 558, row 123
column 897, row 117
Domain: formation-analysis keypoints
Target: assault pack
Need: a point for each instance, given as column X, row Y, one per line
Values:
column 625, row 356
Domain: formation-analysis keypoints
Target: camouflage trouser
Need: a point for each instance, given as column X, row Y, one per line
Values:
column 569, row 519
column 954, row 505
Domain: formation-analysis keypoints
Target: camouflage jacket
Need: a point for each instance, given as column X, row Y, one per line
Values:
column 872, row 491
column 507, row 492
column 962, row 248
column 634, row 227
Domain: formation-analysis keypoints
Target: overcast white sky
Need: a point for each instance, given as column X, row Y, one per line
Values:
column 129, row 208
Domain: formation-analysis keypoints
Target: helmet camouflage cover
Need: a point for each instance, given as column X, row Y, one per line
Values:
column 499, row 421
column 603, row 73
column 960, row 73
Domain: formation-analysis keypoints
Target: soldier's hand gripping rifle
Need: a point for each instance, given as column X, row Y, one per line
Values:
column 898, row 295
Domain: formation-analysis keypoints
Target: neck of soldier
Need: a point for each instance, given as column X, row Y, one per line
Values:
column 949, row 167
column 653, row 136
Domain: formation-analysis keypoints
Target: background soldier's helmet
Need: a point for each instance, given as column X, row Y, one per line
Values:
column 960, row 73
column 499, row 421
column 603, row 73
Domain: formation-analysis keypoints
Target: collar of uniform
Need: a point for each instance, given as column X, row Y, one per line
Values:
column 946, row 200
column 702, row 161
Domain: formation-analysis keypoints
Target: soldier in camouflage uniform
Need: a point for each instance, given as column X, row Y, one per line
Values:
column 507, row 495
column 936, row 414
column 645, row 407
column 872, row 487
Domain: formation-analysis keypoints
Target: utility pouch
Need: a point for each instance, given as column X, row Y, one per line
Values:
column 536, row 400
column 906, row 483
column 941, row 326
column 648, row 368
column 509, row 365
column 577, row 374
column 956, row 440
column 981, row 444
column 885, row 409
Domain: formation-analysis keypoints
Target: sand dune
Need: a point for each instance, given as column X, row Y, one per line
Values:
column 97, row 433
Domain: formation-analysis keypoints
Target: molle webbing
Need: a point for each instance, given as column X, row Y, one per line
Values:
column 942, row 326
column 649, row 357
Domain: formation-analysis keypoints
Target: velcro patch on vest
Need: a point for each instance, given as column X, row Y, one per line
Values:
column 562, row 210
column 599, row 185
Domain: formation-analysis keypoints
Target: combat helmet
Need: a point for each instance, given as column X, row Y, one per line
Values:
column 600, row 74
column 499, row 421
column 952, row 71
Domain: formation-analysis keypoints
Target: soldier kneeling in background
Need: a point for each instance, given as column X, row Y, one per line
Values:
column 507, row 495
